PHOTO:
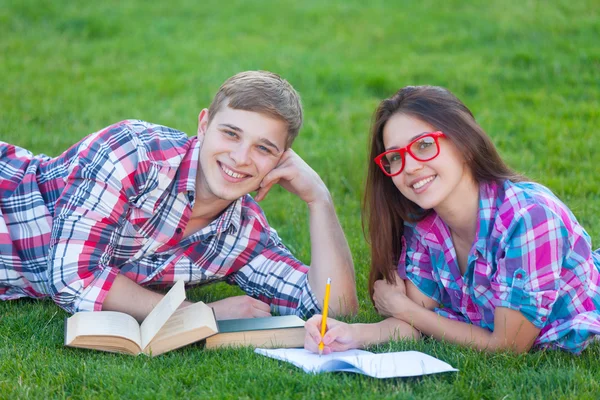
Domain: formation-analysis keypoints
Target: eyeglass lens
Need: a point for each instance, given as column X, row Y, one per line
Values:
column 422, row 149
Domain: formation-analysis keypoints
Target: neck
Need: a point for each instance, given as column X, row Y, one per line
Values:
column 461, row 209
column 208, row 209
column 207, row 206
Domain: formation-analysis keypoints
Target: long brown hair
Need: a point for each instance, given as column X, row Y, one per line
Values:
column 384, row 208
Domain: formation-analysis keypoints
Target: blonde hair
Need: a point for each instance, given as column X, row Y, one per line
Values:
column 262, row 92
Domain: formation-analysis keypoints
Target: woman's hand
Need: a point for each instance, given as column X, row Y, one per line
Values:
column 339, row 336
column 390, row 298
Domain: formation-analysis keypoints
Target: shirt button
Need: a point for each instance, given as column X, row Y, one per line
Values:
column 544, row 319
column 178, row 230
column 519, row 275
column 154, row 257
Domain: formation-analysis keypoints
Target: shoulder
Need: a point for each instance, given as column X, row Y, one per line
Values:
column 137, row 139
column 529, row 205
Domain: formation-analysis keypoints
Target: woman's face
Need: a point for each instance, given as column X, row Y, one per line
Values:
column 429, row 184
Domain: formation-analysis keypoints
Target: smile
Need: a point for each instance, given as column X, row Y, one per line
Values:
column 423, row 182
column 231, row 173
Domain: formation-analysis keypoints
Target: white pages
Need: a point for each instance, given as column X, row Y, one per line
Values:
column 381, row 365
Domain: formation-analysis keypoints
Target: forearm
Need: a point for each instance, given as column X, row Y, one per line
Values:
column 384, row 331
column 431, row 324
column 331, row 258
column 127, row 296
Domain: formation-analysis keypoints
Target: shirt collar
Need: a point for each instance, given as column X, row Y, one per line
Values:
column 488, row 192
column 230, row 219
column 189, row 170
column 432, row 228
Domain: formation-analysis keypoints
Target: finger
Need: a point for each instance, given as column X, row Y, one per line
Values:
column 275, row 176
column 314, row 320
column 313, row 328
column 313, row 325
column 262, row 192
column 256, row 313
column 334, row 334
column 260, row 305
column 310, row 344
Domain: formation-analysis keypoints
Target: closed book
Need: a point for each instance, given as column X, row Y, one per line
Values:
column 270, row 332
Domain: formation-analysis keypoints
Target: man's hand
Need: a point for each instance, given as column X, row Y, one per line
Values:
column 295, row 176
column 390, row 298
column 240, row 307
column 330, row 254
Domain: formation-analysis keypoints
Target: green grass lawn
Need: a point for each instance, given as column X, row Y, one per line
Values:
column 529, row 70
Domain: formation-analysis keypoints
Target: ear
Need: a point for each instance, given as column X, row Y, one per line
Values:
column 202, row 122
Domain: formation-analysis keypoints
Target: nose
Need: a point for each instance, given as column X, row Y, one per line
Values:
column 240, row 155
column 410, row 164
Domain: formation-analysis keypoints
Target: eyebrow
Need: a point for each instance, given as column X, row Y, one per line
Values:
column 411, row 139
column 264, row 141
column 267, row 142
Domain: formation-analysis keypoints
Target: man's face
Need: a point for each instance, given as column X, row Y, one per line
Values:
column 238, row 149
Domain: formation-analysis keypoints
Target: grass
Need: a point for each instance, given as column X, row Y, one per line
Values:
column 529, row 70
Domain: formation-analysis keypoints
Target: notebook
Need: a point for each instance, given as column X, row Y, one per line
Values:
column 380, row 365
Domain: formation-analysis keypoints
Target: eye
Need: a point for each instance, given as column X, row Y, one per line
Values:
column 425, row 143
column 394, row 157
column 230, row 134
column 264, row 149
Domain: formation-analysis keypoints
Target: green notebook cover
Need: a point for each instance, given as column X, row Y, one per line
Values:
column 258, row 324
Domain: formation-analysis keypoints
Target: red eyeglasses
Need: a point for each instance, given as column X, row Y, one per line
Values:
column 423, row 148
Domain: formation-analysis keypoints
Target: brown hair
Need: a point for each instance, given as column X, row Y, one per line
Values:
column 384, row 208
column 262, row 92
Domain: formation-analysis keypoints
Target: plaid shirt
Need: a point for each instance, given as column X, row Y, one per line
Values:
column 118, row 202
column 530, row 254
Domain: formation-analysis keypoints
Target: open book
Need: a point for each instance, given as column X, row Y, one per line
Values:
column 282, row 331
column 381, row 365
column 165, row 328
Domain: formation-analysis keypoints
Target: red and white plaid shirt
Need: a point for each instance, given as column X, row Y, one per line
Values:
column 118, row 202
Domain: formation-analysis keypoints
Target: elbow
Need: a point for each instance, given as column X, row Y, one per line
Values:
column 500, row 346
column 347, row 305
column 65, row 302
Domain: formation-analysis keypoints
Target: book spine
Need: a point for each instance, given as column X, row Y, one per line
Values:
column 65, row 329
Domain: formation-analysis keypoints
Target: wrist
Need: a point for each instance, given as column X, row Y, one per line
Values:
column 406, row 311
column 320, row 200
column 358, row 336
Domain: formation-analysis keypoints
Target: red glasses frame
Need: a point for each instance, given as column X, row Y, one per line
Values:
column 435, row 135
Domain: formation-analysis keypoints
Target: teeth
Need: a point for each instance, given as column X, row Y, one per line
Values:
column 231, row 173
column 423, row 182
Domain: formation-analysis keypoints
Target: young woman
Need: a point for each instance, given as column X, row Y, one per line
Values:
column 464, row 249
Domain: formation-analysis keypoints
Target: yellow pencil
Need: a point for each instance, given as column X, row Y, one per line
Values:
column 324, row 320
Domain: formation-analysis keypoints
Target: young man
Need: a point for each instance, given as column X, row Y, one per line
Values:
column 138, row 204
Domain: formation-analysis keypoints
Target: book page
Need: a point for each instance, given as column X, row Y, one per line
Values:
column 194, row 316
column 161, row 313
column 103, row 323
column 382, row 365
column 309, row 362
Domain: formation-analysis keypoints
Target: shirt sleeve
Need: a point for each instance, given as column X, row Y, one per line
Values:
column 278, row 279
column 415, row 265
column 88, row 218
column 529, row 263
